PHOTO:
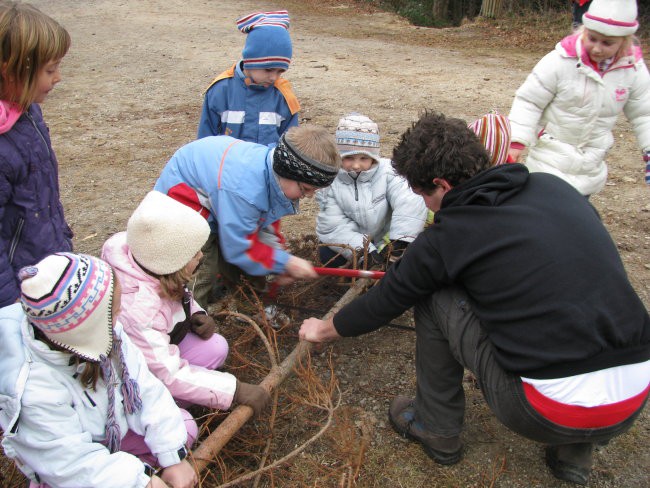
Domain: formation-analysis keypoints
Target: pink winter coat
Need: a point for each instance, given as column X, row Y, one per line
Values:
column 148, row 319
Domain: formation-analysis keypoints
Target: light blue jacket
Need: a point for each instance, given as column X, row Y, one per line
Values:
column 374, row 204
column 232, row 184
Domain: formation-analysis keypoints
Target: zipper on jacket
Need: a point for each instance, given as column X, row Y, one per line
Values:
column 16, row 239
column 31, row 119
column 356, row 189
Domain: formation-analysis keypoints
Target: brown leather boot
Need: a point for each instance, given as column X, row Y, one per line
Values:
column 570, row 462
column 443, row 450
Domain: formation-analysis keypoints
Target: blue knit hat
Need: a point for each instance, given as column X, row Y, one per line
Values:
column 268, row 44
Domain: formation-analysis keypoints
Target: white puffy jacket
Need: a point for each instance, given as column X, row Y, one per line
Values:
column 565, row 112
column 53, row 426
column 374, row 203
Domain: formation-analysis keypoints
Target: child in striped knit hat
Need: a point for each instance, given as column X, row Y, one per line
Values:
column 251, row 101
column 493, row 130
column 78, row 405
column 367, row 202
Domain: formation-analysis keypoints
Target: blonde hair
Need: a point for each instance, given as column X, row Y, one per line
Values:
column 626, row 46
column 29, row 40
column 172, row 285
column 315, row 143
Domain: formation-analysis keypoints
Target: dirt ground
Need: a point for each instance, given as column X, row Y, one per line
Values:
column 131, row 95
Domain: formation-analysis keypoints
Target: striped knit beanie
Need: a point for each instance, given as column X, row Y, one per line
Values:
column 616, row 18
column 493, row 130
column 357, row 134
column 268, row 44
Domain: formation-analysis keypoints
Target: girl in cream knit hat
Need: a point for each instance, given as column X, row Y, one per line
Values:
column 154, row 260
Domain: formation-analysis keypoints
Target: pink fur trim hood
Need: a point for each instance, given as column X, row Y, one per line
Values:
column 569, row 45
column 9, row 114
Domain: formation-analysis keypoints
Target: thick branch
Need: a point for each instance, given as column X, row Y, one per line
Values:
column 213, row 444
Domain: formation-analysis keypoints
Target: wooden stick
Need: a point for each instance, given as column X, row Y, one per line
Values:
column 212, row 445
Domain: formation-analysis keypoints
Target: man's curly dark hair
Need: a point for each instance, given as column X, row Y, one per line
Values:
column 439, row 147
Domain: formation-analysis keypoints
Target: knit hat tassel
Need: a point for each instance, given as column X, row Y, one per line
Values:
column 112, row 428
column 130, row 388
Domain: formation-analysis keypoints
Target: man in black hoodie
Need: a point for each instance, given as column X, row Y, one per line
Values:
column 518, row 281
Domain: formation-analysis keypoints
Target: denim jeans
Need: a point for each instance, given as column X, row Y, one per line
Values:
column 450, row 339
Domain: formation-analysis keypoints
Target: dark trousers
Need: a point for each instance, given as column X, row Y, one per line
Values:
column 577, row 12
column 449, row 338
column 212, row 278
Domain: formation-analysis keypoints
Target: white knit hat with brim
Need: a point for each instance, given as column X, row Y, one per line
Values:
column 69, row 298
column 164, row 234
column 615, row 18
column 357, row 134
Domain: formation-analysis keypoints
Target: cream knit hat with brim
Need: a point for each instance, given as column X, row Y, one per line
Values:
column 616, row 18
column 163, row 234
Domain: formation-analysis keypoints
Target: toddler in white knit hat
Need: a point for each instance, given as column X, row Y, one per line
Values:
column 564, row 113
column 368, row 205
column 154, row 260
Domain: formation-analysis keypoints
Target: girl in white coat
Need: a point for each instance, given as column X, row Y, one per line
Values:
column 366, row 201
column 567, row 107
column 78, row 405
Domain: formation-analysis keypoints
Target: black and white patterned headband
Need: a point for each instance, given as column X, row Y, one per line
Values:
column 290, row 164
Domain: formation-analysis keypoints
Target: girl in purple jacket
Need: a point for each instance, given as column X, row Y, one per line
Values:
column 32, row 224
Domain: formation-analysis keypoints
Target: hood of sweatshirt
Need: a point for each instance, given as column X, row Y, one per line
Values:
column 10, row 112
column 488, row 188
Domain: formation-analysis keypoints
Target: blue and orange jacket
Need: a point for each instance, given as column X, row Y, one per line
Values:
column 233, row 107
column 232, row 184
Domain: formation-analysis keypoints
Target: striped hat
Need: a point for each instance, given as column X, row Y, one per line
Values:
column 268, row 44
column 493, row 130
column 616, row 18
column 357, row 134
column 69, row 297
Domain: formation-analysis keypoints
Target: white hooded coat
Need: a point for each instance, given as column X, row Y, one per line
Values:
column 565, row 112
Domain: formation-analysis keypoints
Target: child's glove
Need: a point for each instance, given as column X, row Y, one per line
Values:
column 646, row 160
column 398, row 248
column 179, row 332
column 203, row 325
column 254, row 396
column 376, row 260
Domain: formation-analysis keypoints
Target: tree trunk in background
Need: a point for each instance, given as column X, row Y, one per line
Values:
column 440, row 11
column 491, row 8
column 457, row 12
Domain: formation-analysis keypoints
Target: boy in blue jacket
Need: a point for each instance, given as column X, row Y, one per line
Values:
column 243, row 189
column 251, row 101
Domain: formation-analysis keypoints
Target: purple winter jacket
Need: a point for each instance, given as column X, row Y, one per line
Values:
column 31, row 213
